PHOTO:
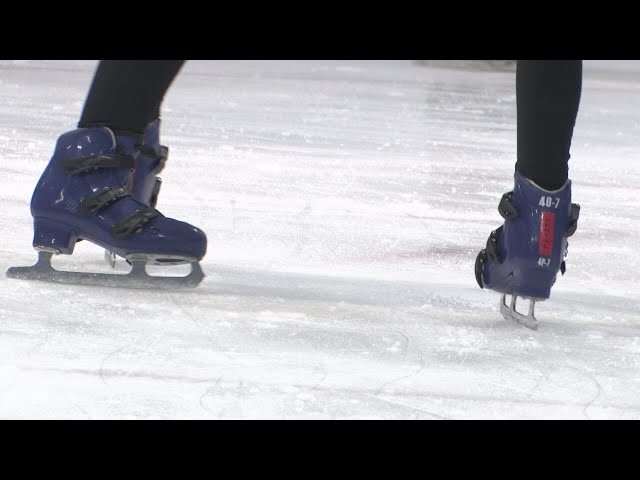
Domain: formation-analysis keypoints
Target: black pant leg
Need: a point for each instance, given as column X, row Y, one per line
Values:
column 548, row 97
column 126, row 95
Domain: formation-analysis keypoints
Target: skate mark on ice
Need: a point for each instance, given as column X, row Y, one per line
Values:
column 403, row 377
column 82, row 410
column 456, row 398
column 465, row 358
column 580, row 373
column 600, row 391
column 562, row 370
column 104, row 360
column 208, row 392
column 324, row 376
column 127, row 373
column 404, row 335
column 105, row 373
column 182, row 308
column 544, row 376
column 314, row 287
column 408, row 407
column 527, row 393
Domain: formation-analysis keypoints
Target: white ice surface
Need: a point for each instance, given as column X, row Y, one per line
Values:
column 344, row 203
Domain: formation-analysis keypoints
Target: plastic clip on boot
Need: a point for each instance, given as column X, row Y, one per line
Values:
column 522, row 257
column 85, row 193
column 150, row 162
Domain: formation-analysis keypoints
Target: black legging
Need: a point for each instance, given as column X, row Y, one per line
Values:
column 126, row 95
column 548, row 97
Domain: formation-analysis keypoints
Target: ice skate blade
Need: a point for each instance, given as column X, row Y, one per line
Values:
column 136, row 278
column 150, row 259
column 510, row 313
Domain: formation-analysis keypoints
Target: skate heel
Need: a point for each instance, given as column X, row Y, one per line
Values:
column 53, row 236
column 536, row 283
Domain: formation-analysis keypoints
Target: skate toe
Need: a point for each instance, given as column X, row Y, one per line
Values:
column 175, row 238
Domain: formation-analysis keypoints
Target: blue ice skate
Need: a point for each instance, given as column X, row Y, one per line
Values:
column 522, row 258
column 85, row 193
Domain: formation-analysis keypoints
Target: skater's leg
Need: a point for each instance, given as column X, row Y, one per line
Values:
column 126, row 95
column 548, row 95
column 524, row 255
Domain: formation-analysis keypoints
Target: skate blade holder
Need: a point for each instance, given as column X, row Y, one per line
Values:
column 136, row 278
column 509, row 312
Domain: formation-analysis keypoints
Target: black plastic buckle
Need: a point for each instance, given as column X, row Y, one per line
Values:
column 75, row 166
column 155, row 192
column 506, row 208
column 492, row 245
column 134, row 223
column 90, row 206
column 479, row 268
column 573, row 223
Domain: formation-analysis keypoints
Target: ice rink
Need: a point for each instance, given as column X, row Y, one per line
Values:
column 345, row 204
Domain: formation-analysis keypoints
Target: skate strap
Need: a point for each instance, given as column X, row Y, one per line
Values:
column 492, row 245
column 573, row 222
column 90, row 206
column 134, row 223
column 506, row 208
column 153, row 201
column 161, row 155
column 75, row 166
column 480, row 261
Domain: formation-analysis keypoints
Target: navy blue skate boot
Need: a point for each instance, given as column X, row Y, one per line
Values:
column 523, row 257
column 85, row 194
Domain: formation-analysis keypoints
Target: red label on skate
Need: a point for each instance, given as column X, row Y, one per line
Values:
column 546, row 233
